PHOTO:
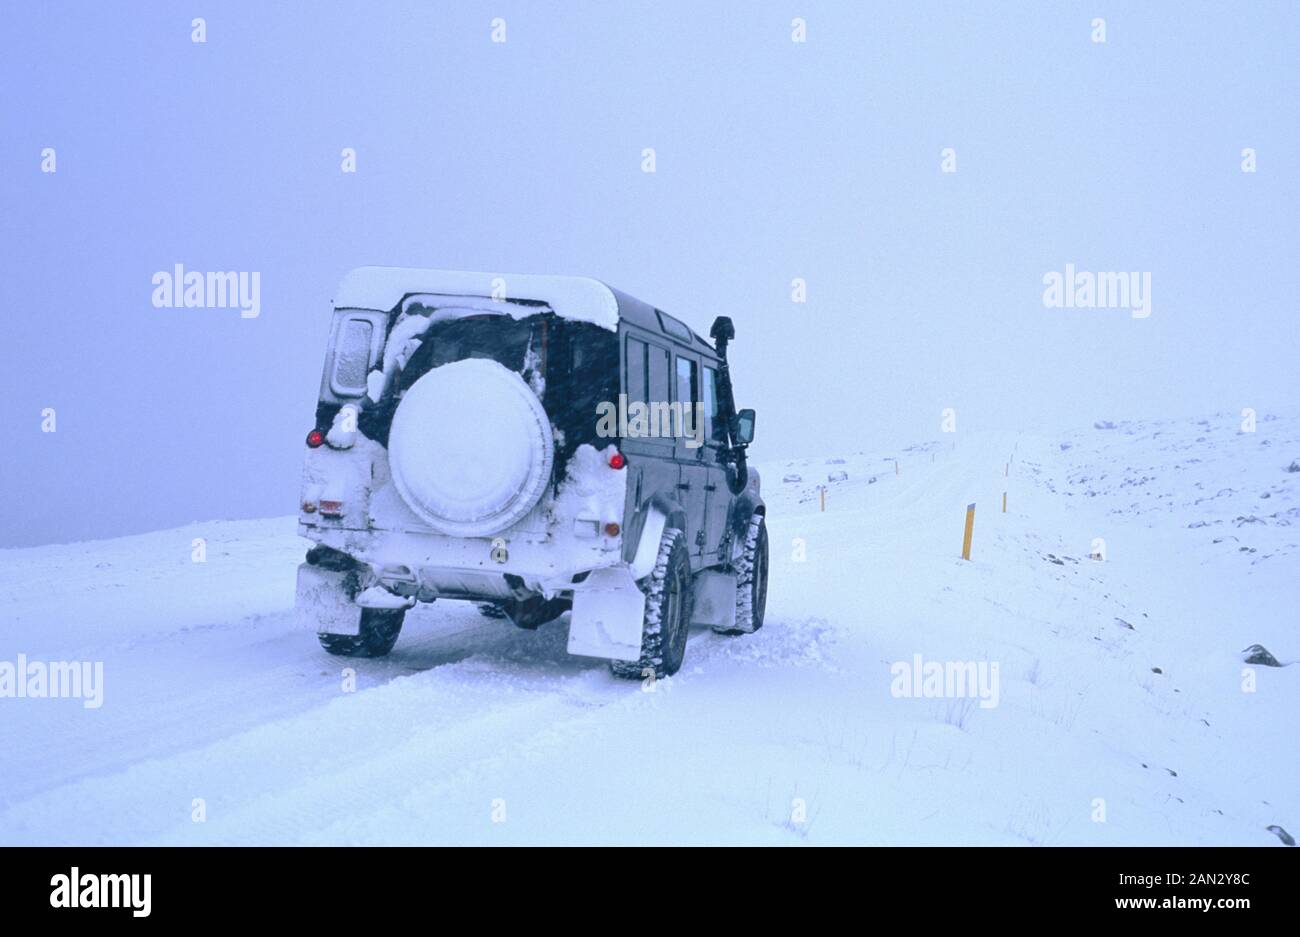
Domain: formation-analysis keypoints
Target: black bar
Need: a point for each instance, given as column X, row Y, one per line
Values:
column 335, row 885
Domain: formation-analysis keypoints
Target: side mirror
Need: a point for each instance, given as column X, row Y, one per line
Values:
column 744, row 427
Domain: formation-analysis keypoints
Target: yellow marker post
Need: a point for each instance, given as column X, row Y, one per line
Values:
column 970, row 528
column 823, row 494
column 1004, row 502
column 895, row 466
column 1007, row 471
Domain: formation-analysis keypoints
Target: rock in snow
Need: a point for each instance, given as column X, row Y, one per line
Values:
column 1258, row 654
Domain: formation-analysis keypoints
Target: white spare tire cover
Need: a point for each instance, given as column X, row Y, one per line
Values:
column 470, row 448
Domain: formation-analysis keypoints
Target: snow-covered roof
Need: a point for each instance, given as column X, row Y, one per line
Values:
column 381, row 288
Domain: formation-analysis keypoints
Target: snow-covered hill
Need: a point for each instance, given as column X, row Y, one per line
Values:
column 1121, row 712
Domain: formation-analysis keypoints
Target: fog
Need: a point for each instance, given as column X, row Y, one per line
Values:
column 774, row 160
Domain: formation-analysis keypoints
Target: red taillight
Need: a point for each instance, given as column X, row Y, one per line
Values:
column 331, row 508
column 612, row 529
column 315, row 439
column 616, row 461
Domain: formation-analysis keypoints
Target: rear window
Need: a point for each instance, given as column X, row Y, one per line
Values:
column 570, row 366
column 352, row 356
column 512, row 343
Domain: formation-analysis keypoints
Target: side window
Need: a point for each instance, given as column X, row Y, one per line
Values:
column 688, row 395
column 660, row 391
column 352, row 356
column 637, row 387
column 712, row 431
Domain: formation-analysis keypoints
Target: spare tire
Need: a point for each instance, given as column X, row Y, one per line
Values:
column 471, row 448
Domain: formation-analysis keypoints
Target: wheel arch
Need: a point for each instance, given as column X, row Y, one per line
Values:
column 744, row 506
column 641, row 546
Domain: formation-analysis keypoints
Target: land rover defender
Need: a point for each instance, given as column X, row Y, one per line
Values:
column 538, row 445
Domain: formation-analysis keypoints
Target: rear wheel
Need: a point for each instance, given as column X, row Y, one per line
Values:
column 667, row 613
column 533, row 612
column 379, row 630
column 751, row 580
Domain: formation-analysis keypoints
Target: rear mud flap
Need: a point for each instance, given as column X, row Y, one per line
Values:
column 608, row 614
column 715, row 600
column 324, row 602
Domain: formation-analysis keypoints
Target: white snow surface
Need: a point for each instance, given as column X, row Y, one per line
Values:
column 1121, row 682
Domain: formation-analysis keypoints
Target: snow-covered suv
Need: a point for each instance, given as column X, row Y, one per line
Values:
column 536, row 444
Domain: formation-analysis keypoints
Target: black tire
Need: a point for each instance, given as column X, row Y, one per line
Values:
column 668, row 607
column 751, row 580
column 379, row 630
column 491, row 610
column 531, row 613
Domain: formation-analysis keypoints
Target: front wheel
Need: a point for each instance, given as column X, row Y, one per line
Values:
column 751, row 580
column 667, row 613
column 379, row 630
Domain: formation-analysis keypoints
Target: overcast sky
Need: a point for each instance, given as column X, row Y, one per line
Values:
column 774, row 160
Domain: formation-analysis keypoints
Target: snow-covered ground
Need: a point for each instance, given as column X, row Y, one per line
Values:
column 1125, row 713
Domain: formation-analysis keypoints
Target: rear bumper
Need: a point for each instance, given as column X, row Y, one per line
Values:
column 429, row 565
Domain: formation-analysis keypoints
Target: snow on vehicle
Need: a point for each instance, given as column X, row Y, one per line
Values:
column 535, row 444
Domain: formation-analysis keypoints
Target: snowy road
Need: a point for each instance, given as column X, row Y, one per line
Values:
column 1121, row 715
